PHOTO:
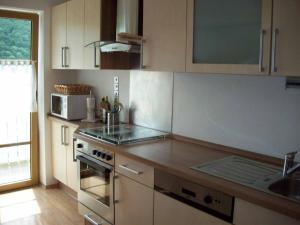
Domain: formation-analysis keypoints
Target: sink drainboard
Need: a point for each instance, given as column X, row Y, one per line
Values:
column 238, row 169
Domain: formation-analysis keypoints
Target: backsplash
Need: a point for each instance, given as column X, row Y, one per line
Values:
column 248, row 112
column 151, row 98
column 254, row 113
column 102, row 83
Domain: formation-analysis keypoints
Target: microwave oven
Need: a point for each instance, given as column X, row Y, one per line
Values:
column 69, row 107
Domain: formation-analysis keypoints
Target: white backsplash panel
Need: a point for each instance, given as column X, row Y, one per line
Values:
column 248, row 112
column 151, row 97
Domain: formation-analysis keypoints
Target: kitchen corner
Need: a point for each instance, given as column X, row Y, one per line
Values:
column 150, row 112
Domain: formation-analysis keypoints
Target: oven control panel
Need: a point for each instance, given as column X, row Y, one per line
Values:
column 94, row 151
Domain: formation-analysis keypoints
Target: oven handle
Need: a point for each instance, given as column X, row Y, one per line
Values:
column 92, row 162
column 88, row 218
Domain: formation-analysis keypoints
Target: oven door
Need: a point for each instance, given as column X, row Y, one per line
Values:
column 96, row 186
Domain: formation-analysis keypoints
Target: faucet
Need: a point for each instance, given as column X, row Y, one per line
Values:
column 290, row 165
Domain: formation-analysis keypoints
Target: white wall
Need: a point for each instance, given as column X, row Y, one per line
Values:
column 46, row 76
column 253, row 113
column 102, row 83
column 248, row 112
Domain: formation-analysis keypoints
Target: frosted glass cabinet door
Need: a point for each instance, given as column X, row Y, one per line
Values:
column 229, row 36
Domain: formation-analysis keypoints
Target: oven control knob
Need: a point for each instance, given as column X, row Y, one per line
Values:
column 108, row 157
column 103, row 155
column 208, row 199
column 79, row 145
column 94, row 152
column 99, row 154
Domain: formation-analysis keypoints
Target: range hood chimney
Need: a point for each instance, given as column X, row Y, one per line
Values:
column 127, row 17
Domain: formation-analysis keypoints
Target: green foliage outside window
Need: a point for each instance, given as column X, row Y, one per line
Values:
column 15, row 39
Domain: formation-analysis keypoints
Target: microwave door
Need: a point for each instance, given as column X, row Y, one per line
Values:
column 57, row 104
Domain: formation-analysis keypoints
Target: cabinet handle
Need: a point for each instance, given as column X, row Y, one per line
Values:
column 125, row 167
column 74, row 155
column 65, row 57
column 65, row 135
column 274, row 50
column 62, row 56
column 90, row 219
column 62, row 139
column 261, row 51
column 95, row 58
column 142, row 66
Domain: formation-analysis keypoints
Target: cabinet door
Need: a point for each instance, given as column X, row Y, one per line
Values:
column 71, row 164
column 229, row 36
column 58, row 152
column 168, row 211
column 59, row 34
column 164, row 31
column 286, row 36
column 134, row 202
column 92, row 25
column 246, row 213
column 75, row 34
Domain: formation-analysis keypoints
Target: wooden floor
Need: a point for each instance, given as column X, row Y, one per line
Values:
column 37, row 206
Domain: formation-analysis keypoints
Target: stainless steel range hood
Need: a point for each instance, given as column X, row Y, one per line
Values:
column 127, row 29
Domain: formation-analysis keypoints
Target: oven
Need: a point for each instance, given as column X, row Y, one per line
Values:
column 95, row 180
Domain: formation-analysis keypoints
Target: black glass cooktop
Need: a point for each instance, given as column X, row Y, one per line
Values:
column 123, row 134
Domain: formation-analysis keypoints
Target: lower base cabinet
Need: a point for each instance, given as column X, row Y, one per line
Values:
column 63, row 164
column 246, row 213
column 134, row 202
column 168, row 211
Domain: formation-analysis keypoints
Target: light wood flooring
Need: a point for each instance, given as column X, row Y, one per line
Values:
column 37, row 206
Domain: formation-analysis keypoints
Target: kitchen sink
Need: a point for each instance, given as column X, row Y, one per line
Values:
column 254, row 174
column 288, row 187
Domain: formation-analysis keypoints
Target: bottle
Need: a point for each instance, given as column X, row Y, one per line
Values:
column 107, row 103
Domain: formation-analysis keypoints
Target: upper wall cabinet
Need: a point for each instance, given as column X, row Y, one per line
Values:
column 286, row 36
column 75, row 34
column 75, row 24
column 164, row 31
column 230, row 36
column 59, row 35
column 92, row 18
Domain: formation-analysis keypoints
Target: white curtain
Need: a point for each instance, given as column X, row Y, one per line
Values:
column 17, row 100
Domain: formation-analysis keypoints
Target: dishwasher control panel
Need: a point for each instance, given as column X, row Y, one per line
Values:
column 205, row 199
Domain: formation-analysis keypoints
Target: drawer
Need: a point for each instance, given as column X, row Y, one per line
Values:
column 135, row 170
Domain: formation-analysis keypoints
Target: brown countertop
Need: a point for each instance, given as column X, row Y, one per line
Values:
column 176, row 155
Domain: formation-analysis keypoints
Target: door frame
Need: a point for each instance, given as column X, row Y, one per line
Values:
column 34, row 152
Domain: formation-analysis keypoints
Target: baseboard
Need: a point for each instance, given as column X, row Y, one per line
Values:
column 51, row 186
column 68, row 191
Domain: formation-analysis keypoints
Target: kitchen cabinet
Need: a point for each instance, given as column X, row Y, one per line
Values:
column 170, row 211
column 68, row 35
column 75, row 34
column 59, row 35
column 133, row 192
column 64, row 166
column 164, row 31
column 246, row 213
column 59, row 157
column 92, row 17
column 134, row 202
column 286, row 36
column 229, row 36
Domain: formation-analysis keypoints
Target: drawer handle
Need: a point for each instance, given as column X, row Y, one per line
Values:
column 125, row 167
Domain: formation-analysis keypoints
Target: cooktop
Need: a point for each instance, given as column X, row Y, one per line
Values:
column 123, row 134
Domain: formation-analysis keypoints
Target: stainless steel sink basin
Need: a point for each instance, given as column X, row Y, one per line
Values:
column 288, row 187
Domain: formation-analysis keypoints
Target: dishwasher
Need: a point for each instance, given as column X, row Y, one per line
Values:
column 178, row 201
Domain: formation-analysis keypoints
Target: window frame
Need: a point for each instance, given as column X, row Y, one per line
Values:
column 34, row 18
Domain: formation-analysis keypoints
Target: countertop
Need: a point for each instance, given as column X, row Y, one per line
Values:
column 177, row 154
